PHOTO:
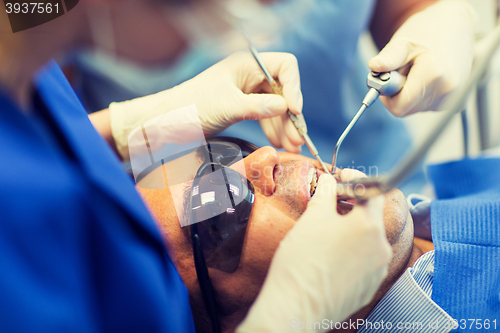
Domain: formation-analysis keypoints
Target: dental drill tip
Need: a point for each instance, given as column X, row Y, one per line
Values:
column 334, row 162
column 344, row 134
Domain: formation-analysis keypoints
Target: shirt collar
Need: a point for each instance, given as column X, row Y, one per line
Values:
column 408, row 304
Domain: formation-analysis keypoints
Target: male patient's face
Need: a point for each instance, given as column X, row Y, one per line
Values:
column 282, row 191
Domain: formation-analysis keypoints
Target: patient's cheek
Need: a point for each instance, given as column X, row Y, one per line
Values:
column 266, row 229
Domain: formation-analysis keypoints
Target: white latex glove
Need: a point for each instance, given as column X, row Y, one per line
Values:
column 327, row 267
column 435, row 48
column 230, row 91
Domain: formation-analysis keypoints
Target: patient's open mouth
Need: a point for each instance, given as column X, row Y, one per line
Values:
column 312, row 179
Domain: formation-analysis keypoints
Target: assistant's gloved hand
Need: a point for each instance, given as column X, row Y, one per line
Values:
column 230, row 91
column 327, row 267
column 436, row 46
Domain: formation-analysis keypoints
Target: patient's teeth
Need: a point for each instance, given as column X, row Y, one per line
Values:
column 313, row 180
column 314, row 184
column 310, row 175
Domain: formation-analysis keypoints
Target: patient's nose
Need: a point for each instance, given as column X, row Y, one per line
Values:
column 260, row 167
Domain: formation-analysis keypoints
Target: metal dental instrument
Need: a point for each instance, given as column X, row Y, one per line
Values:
column 385, row 84
column 365, row 188
column 299, row 125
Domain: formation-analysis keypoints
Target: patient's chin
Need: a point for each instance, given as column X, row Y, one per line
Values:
column 396, row 216
column 399, row 231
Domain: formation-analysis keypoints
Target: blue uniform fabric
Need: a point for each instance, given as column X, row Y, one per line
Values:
column 466, row 234
column 78, row 249
column 333, row 78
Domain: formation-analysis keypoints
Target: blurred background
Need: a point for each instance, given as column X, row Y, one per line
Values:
column 330, row 101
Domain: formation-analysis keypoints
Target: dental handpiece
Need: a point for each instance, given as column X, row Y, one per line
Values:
column 297, row 122
column 385, row 84
column 366, row 188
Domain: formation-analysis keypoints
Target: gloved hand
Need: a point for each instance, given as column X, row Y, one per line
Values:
column 327, row 267
column 435, row 48
column 282, row 133
column 232, row 90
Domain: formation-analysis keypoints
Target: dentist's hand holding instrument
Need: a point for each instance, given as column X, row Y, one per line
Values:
column 281, row 125
column 365, row 188
column 333, row 292
column 434, row 48
column 224, row 94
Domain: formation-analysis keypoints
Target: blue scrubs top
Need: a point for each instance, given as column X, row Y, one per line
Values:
column 78, row 248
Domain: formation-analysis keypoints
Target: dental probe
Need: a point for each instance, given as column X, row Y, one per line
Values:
column 385, row 84
column 365, row 188
column 299, row 125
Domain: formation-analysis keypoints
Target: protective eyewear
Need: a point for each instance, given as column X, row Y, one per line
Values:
column 221, row 201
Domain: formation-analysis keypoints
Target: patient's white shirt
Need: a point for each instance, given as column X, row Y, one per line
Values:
column 407, row 306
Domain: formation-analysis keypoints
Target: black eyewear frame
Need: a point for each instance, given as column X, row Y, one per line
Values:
column 224, row 233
